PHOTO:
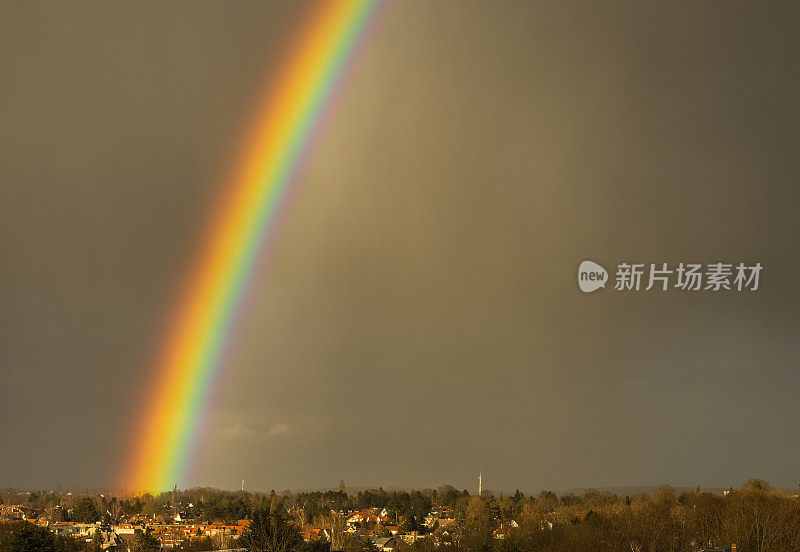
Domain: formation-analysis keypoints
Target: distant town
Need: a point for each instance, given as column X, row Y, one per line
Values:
column 752, row 518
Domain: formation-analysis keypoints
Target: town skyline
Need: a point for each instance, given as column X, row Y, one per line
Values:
column 399, row 520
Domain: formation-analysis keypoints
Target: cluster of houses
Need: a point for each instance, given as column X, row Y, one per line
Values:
column 117, row 537
column 377, row 526
column 173, row 534
column 10, row 512
column 383, row 530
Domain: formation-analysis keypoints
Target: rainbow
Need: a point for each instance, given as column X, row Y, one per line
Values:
column 282, row 131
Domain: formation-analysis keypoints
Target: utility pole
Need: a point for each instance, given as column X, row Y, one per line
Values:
column 480, row 483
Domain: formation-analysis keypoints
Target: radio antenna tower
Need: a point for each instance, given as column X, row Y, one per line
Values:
column 480, row 483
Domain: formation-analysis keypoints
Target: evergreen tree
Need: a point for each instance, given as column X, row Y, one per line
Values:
column 85, row 511
column 269, row 531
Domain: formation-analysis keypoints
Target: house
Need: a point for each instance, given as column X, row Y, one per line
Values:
column 183, row 517
column 314, row 534
column 63, row 529
column 410, row 538
column 384, row 544
column 111, row 541
column 505, row 528
column 444, row 522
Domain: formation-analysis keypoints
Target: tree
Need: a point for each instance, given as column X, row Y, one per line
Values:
column 410, row 524
column 85, row 511
column 269, row 531
column 335, row 524
column 756, row 484
column 97, row 540
column 318, row 545
column 762, row 521
column 351, row 543
column 475, row 534
column 26, row 537
column 145, row 542
column 29, row 538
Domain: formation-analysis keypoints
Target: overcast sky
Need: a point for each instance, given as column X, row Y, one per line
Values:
column 420, row 319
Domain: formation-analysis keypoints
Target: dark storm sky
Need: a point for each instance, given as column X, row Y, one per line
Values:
column 420, row 319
